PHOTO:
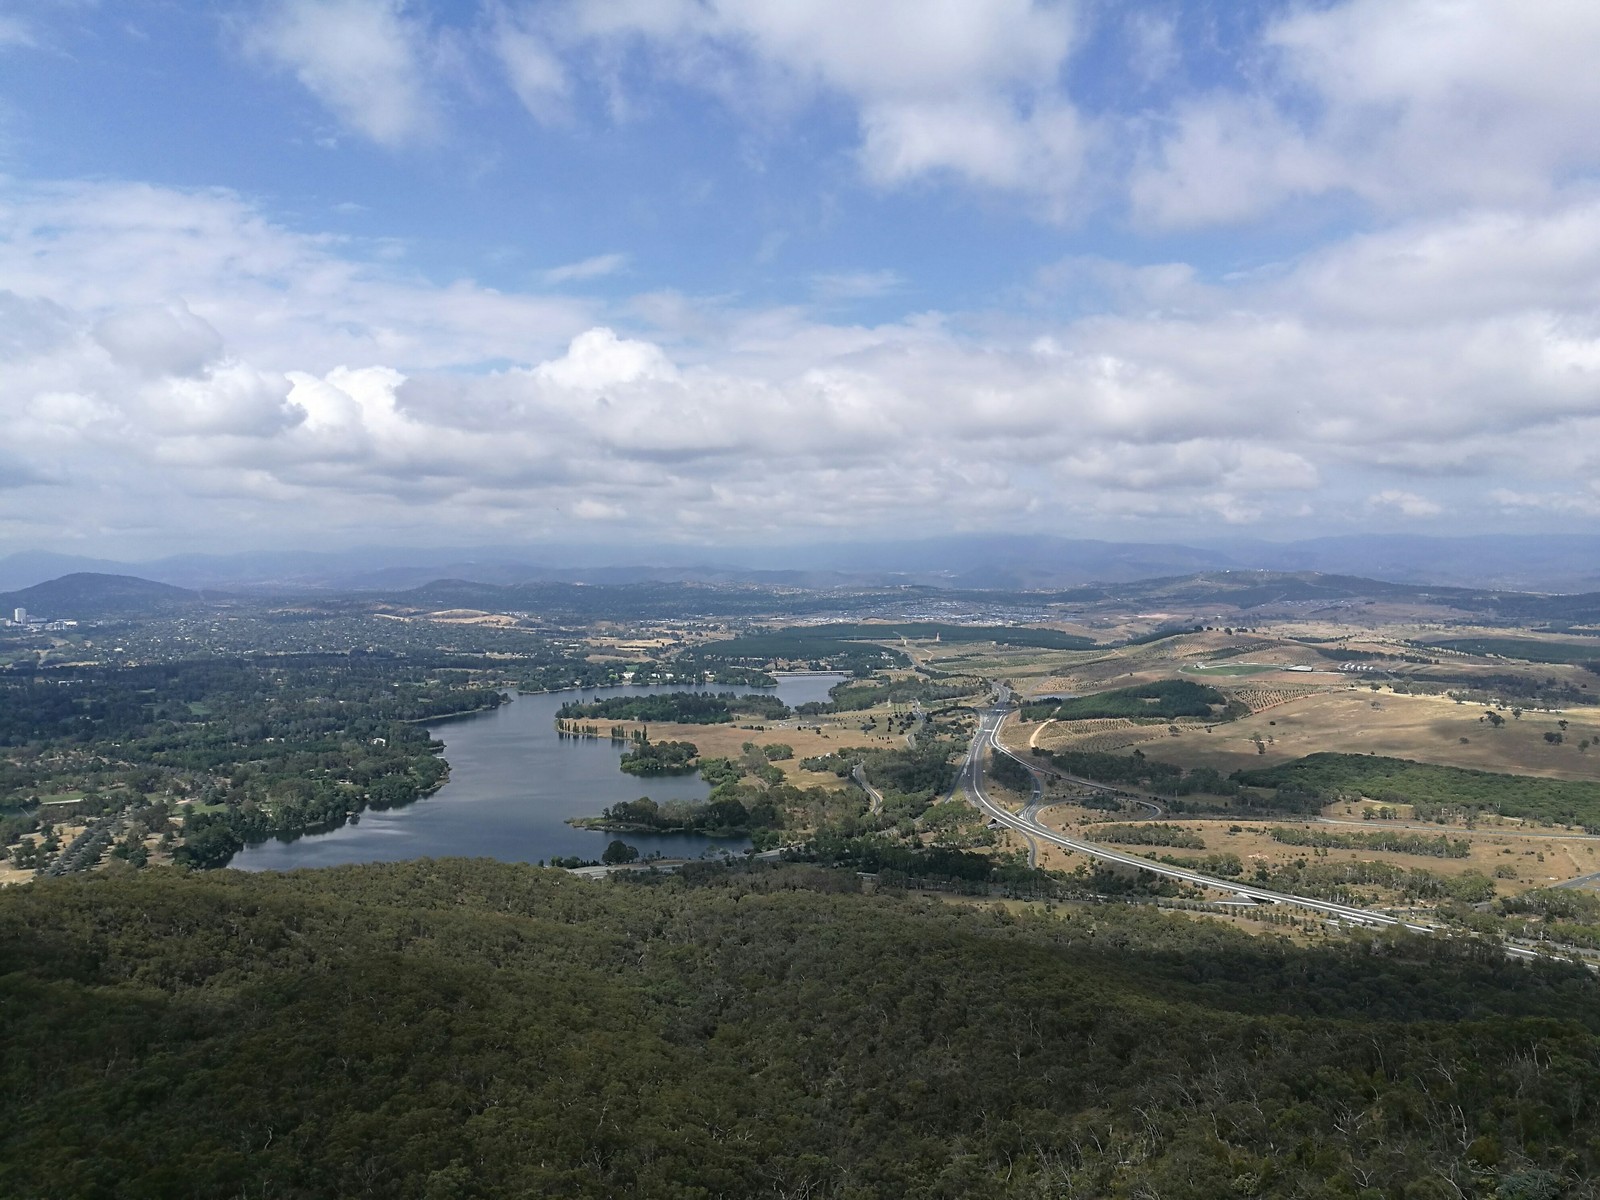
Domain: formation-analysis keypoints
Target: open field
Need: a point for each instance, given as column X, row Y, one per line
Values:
column 1298, row 713
column 11, row 875
column 1514, row 862
column 1232, row 669
column 1356, row 720
column 1424, row 728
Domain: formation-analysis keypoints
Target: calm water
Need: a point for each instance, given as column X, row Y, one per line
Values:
column 513, row 783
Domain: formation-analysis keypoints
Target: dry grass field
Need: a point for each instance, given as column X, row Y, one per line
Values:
column 1296, row 713
column 10, row 875
column 1426, row 728
column 1291, row 720
column 1515, row 862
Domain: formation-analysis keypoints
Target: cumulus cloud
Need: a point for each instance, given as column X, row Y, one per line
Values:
column 280, row 377
column 159, row 339
column 1404, row 104
column 599, row 359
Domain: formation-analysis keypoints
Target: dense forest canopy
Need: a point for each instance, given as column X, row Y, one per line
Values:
column 471, row 1029
column 682, row 708
column 262, row 746
column 854, row 695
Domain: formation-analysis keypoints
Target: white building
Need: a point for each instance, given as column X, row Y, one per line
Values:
column 20, row 616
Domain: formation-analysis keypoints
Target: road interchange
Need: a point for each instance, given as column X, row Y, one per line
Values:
column 1028, row 825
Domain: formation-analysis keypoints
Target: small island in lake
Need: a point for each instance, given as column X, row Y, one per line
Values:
column 678, row 708
column 724, row 816
column 661, row 758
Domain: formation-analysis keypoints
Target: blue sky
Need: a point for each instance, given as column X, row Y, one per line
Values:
column 327, row 271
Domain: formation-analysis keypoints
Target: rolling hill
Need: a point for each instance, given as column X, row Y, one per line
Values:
column 87, row 594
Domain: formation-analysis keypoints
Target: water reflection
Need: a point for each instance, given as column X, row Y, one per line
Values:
column 513, row 784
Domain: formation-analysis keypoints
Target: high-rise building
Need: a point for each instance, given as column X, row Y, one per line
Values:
column 20, row 616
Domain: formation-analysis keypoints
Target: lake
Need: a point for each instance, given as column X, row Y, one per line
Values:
column 513, row 784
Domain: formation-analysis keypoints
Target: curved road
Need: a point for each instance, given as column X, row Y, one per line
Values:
column 859, row 774
column 1028, row 825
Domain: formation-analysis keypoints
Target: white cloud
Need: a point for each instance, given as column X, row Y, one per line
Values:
column 159, row 339
column 972, row 91
column 1407, row 504
column 1226, row 158
column 984, row 140
column 600, row 359
column 1155, row 46
column 190, row 357
column 299, row 301
column 532, row 66
column 368, row 61
column 597, row 510
column 1406, row 104
column 232, row 399
column 597, row 267
column 1586, row 504
column 855, row 285
column 14, row 31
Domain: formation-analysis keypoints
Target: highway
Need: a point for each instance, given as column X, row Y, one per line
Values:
column 859, row 774
column 1028, row 825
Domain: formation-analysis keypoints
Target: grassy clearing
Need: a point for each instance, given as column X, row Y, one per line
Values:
column 1515, row 863
column 1229, row 669
column 1358, row 721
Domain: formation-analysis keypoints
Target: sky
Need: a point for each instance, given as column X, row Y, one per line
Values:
column 330, row 272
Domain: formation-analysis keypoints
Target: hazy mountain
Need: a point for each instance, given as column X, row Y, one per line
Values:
column 1553, row 563
column 29, row 567
column 86, row 594
column 1542, row 562
column 978, row 561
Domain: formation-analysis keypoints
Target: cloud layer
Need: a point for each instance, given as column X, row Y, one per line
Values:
column 1425, row 353
column 247, row 373
column 1397, row 104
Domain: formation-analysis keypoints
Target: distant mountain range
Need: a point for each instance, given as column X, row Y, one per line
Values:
column 97, row 595
column 1543, row 563
column 88, row 595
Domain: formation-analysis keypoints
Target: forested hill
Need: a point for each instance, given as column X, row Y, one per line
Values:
column 87, row 594
column 471, row 1029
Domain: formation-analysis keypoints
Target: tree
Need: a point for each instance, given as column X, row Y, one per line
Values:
column 619, row 852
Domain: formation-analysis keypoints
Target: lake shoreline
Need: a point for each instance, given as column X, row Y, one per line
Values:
column 511, row 786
